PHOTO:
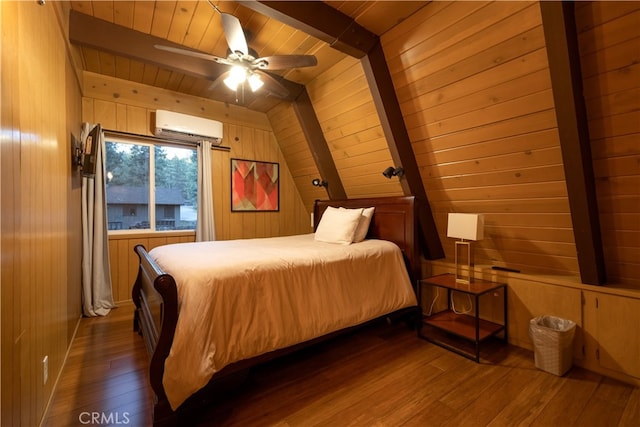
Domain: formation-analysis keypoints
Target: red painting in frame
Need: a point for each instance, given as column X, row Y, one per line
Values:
column 255, row 186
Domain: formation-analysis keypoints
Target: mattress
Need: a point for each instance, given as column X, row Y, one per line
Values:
column 241, row 298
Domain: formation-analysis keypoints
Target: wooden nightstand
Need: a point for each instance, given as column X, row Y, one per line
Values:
column 466, row 325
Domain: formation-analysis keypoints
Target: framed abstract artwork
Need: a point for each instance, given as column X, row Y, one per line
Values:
column 254, row 186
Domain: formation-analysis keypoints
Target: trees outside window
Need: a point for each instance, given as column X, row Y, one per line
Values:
column 151, row 187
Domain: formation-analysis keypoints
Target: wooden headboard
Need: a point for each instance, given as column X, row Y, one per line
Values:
column 394, row 219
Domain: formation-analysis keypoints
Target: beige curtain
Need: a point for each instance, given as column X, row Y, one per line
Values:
column 97, row 296
column 205, row 228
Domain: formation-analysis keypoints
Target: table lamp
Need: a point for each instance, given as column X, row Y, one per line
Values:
column 467, row 228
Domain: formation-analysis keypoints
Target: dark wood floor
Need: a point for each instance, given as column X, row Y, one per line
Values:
column 380, row 376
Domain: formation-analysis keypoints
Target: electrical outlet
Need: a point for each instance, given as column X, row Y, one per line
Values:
column 45, row 370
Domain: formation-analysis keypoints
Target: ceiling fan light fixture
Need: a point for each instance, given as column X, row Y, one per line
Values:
column 246, row 65
column 237, row 76
column 255, row 82
column 231, row 84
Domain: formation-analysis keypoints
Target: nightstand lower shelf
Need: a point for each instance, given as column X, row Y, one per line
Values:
column 463, row 325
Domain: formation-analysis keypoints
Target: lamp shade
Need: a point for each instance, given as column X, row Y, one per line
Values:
column 237, row 75
column 466, row 226
column 255, row 82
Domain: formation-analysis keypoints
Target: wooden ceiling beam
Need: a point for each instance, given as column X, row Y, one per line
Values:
column 318, row 146
column 561, row 37
column 392, row 122
column 320, row 21
column 87, row 31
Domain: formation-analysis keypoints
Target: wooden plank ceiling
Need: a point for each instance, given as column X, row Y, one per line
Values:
column 116, row 38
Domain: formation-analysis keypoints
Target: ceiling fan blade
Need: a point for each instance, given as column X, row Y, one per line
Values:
column 234, row 34
column 283, row 62
column 272, row 85
column 193, row 53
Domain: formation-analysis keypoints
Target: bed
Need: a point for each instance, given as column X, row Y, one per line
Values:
column 204, row 320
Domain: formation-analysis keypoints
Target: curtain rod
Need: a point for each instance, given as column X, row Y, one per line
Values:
column 154, row 139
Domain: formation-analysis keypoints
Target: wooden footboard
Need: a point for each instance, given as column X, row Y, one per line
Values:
column 156, row 298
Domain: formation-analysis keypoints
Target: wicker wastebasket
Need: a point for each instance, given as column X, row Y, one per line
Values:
column 552, row 343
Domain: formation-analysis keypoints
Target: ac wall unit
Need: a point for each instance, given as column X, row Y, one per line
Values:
column 183, row 127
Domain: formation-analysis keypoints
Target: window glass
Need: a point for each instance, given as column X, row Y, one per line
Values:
column 176, row 177
column 150, row 187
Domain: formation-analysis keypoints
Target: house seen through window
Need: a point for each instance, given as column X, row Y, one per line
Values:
column 150, row 187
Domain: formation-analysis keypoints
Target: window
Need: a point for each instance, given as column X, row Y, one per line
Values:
column 150, row 187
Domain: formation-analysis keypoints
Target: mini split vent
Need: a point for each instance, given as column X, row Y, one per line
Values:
column 183, row 127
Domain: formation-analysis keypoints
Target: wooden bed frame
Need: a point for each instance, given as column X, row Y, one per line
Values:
column 156, row 298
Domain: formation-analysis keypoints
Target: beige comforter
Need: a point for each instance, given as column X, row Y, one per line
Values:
column 242, row 298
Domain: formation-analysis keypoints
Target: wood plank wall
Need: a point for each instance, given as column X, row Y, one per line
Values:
column 344, row 107
column 125, row 106
column 124, row 263
column 40, row 200
column 609, row 41
column 346, row 112
column 473, row 82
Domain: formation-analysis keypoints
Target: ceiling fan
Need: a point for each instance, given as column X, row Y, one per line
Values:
column 245, row 64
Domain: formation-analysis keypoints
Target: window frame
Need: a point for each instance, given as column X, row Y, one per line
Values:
column 133, row 140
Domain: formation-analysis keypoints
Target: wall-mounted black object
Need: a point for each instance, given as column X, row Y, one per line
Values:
column 392, row 171
column 76, row 152
column 90, row 151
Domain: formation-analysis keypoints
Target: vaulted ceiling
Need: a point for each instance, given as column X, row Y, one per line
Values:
column 117, row 39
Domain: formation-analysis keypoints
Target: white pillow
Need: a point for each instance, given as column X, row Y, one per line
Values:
column 338, row 225
column 363, row 224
